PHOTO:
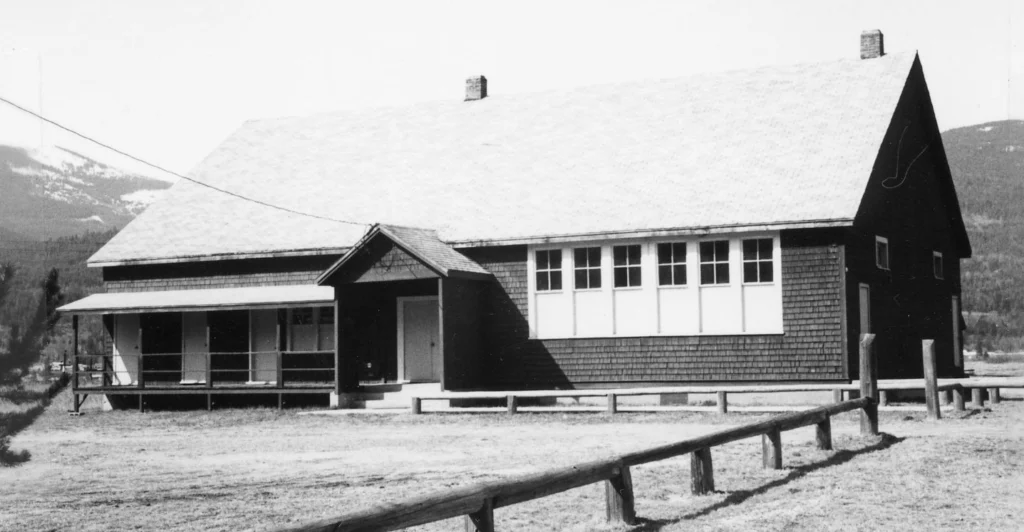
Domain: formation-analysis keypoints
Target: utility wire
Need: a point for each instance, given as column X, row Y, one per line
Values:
column 162, row 169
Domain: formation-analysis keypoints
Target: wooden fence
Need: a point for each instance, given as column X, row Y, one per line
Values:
column 478, row 502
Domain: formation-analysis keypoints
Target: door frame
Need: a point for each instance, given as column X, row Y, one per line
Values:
column 860, row 310
column 400, row 305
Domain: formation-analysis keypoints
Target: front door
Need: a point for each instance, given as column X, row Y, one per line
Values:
column 194, row 345
column 421, row 354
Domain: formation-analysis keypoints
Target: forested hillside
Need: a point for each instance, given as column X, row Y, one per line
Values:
column 987, row 162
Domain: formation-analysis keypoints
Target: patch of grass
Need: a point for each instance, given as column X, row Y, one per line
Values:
column 264, row 469
column 14, row 420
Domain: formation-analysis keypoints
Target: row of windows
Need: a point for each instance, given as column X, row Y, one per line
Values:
column 758, row 266
column 882, row 257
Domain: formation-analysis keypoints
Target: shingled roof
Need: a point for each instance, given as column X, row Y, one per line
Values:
column 777, row 147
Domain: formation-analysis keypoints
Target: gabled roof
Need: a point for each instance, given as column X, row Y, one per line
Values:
column 778, row 147
column 422, row 244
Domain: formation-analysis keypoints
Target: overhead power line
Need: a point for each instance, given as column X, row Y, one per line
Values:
column 162, row 169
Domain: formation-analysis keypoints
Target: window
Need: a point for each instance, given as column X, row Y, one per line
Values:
column 882, row 252
column 302, row 316
column 672, row 264
column 714, row 262
column 326, row 316
column 626, row 260
column 757, row 261
column 587, row 267
column 937, row 264
column 549, row 270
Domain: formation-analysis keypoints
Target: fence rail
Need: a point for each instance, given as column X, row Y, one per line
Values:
column 477, row 502
column 173, row 369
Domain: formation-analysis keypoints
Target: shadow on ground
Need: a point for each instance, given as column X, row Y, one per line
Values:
column 738, row 497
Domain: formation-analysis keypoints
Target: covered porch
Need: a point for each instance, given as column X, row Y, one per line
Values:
column 247, row 340
column 409, row 311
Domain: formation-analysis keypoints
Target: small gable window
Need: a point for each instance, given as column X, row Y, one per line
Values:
column 672, row 264
column 587, row 267
column 626, row 260
column 757, row 261
column 549, row 270
column 937, row 265
column 714, row 262
column 882, row 252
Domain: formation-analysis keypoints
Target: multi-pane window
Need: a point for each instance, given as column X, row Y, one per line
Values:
column 882, row 252
column 626, row 262
column 672, row 264
column 937, row 264
column 714, row 262
column 757, row 261
column 549, row 270
column 587, row 267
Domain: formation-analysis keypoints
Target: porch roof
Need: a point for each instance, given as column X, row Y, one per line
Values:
column 206, row 299
column 423, row 244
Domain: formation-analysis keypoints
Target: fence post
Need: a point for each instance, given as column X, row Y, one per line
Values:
column 612, row 406
column 945, row 397
column 958, row 398
column 702, row 474
column 823, row 434
column 513, row 404
column 417, row 405
column 74, row 361
column 868, row 385
column 931, row 389
column 771, row 449
column 481, row 520
column 723, row 403
column 977, row 399
column 837, row 396
column 619, row 498
column 993, row 396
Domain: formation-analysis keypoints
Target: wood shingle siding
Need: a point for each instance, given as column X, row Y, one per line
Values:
column 810, row 349
column 216, row 274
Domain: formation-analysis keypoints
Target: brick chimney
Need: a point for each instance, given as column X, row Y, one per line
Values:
column 476, row 88
column 871, row 45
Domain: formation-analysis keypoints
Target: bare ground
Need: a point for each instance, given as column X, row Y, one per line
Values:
column 260, row 469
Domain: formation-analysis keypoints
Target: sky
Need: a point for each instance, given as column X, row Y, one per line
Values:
column 168, row 81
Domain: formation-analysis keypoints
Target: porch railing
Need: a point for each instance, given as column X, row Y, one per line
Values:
column 279, row 369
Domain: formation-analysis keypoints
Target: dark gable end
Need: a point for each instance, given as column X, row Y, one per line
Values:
column 910, row 200
column 912, row 170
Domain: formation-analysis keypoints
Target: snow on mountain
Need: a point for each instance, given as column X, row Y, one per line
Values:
column 52, row 191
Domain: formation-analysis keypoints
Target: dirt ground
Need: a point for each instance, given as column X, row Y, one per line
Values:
column 260, row 469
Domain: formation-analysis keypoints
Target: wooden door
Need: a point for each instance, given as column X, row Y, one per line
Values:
column 263, row 360
column 865, row 310
column 421, row 352
column 958, row 346
column 126, row 349
column 195, row 348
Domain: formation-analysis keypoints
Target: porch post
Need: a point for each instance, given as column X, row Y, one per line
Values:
column 337, row 346
column 74, row 359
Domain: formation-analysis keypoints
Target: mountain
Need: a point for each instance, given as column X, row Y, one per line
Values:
column 987, row 162
column 53, row 192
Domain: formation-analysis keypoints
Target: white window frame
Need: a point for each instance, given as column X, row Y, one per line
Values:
column 650, row 287
column 715, row 261
column 941, row 272
column 672, row 264
column 549, row 269
column 888, row 253
column 757, row 260
column 628, row 266
column 588, row 268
